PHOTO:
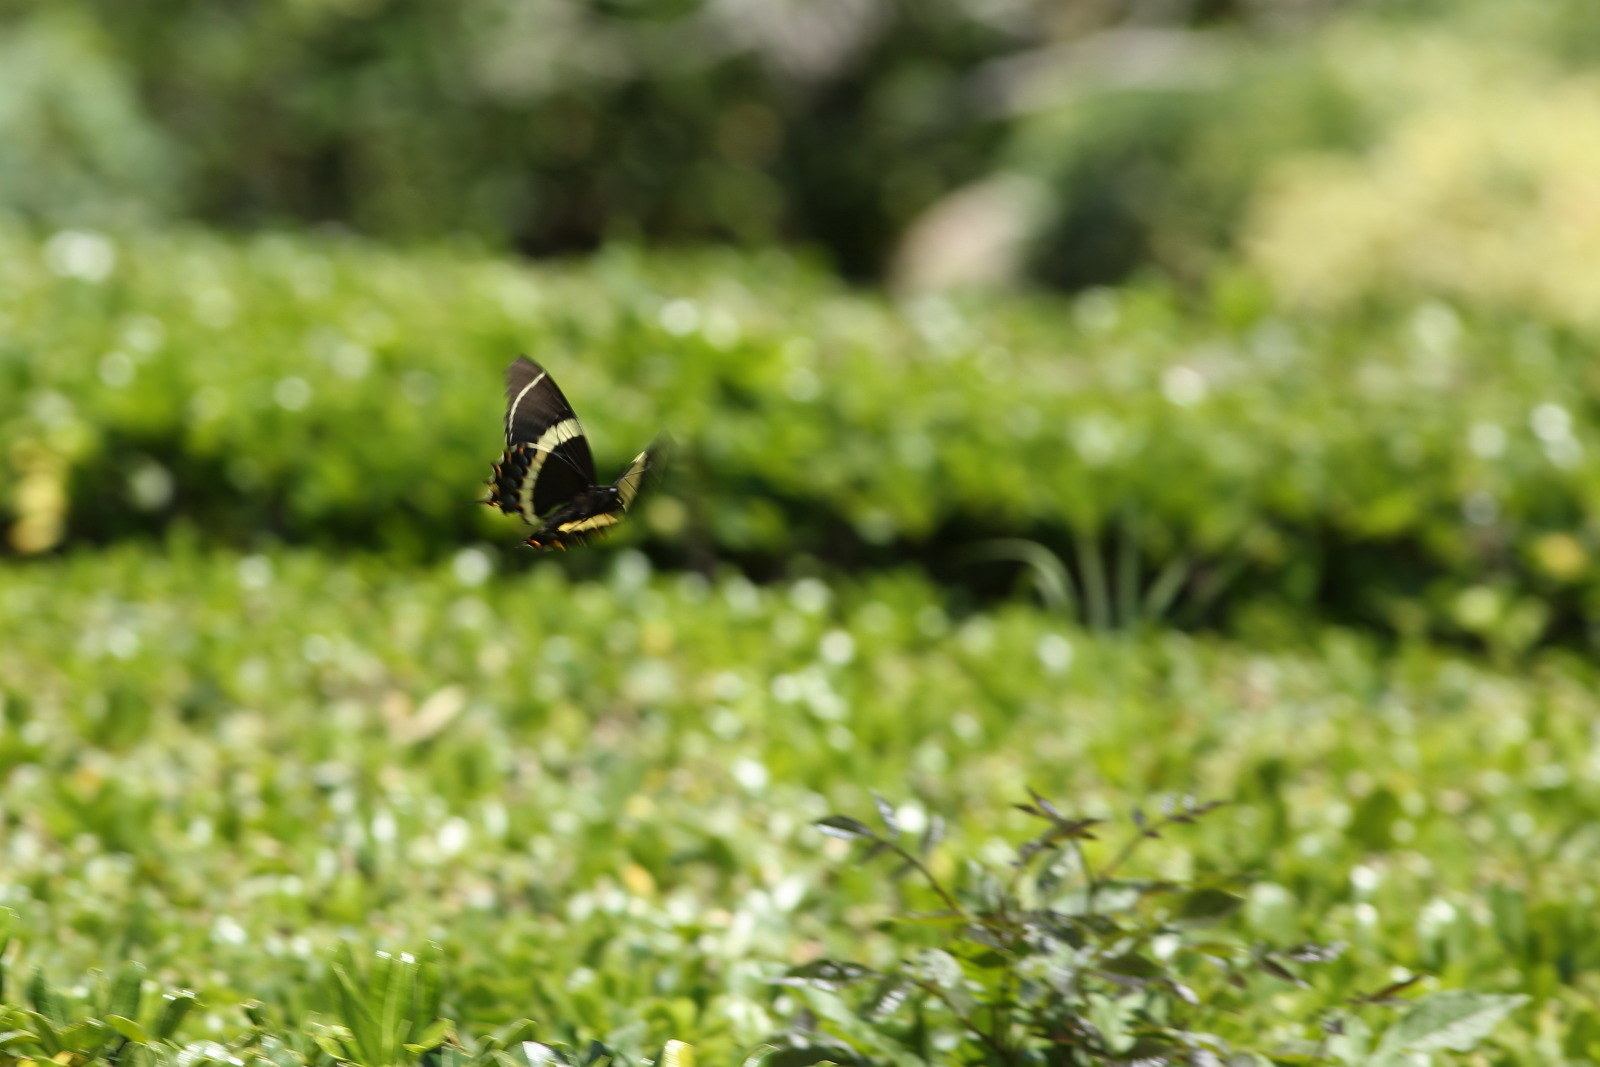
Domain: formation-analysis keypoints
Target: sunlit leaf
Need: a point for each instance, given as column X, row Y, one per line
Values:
column 1453, row 1019
column 128, row 1029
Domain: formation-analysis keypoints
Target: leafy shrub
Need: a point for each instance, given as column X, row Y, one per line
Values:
column 553, row 128
column 115, row 1023
column 547, row 128
column 383, row 1014
column 1160, row 175
column 1428, row 471
column 1428, row 210
column 1068, row 960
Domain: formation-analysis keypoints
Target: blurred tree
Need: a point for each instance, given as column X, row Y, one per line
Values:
column 550, row 127
column 75, row 140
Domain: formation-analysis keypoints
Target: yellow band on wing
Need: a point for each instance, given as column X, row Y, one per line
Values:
column 593, row 522
column 632, row 478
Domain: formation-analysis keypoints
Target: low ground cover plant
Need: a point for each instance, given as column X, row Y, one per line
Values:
column 596, row 796
column 1066, row 956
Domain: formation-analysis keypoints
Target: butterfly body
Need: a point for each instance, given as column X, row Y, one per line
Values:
column 546, row 476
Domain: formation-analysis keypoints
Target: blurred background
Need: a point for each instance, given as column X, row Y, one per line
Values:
column 1124, row 396
column 1065, row 143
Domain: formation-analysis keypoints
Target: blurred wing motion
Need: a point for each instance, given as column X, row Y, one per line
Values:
column 546, row 476
column 644, row 471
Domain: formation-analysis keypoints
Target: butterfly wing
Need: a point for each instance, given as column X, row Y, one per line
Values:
column 547, row 461
column 643, row 471
column 600, row 510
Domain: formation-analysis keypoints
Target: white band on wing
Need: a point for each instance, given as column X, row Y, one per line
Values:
column 511, row 412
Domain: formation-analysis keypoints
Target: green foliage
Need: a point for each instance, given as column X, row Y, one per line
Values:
column 557, row 126
column 546, row 127
column 383, row 1015
column 78, row 143
column 1160, row 174
column 391, row 1012
column 595, row 795
column 1427, row 472
column 113, row 1021
column 1067, row 959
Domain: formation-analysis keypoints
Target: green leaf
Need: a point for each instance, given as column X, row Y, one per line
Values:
column 8, row 924
column 17, row 1038
column 1133, row 965
column 846, row 827
column 798, row 1056
column 512, row 1034
column 336, row 1041
column 126, row 991
column 852, row 1028
column 1205, row 906
column 427, row 998
column 393, row 981
column 357, row 1017
column 1351, row 1043
column 48, row 1037
column 177, row 1008
column 128, row 1029
column 431, row 1037
column 1454, row 1019
column 85, row 1036
column 45, row 1000
column 677, row 1054
column 1149, row 1051
column 1271, row 966
column 256, row 1012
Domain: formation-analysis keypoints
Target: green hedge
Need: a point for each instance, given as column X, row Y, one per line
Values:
column 1417, row 466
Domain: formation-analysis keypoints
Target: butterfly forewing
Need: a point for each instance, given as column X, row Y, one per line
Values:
column 547, row 455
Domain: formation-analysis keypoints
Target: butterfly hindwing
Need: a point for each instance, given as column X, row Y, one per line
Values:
column 643, row 471
column 566, row 470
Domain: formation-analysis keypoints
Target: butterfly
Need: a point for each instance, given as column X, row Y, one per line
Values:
column 546, row 476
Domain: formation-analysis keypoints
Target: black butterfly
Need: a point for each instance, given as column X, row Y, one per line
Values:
column 546, row 476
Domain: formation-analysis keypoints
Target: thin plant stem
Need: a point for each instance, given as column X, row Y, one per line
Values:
column 963, row 1019
column 922, row 869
